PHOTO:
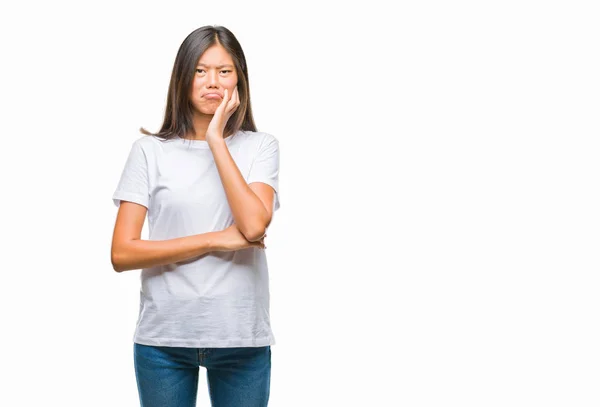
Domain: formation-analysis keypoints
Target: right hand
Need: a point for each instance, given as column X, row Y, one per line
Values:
column 232, row 239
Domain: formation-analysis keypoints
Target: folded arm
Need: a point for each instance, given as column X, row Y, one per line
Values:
column 130, row 252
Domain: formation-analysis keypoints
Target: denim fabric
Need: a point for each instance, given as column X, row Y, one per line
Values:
column 168, row 376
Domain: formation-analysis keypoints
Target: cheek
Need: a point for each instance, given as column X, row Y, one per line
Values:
column 195, row 96
column 231, row 86
column 196, row 88
column 232, row 82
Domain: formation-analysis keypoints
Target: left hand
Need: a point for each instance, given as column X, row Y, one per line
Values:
column 216, row 127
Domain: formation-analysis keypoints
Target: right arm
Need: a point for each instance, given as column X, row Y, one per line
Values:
column 129, row 252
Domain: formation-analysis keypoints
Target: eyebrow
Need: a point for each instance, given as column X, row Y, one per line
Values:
column 220, row 66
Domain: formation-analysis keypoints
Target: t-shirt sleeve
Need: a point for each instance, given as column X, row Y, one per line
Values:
column 265, row 167
column 133, row 185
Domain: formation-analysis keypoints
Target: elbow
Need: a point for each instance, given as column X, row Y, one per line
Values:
column 116, row 266
column 255, row 233
column 116, row 262
column 256, row 227
column 122, row 258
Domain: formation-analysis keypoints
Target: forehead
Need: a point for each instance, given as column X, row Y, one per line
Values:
column 215, row 56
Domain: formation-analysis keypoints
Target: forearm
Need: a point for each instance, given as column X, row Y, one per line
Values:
column 248, row 211
column 138, row 254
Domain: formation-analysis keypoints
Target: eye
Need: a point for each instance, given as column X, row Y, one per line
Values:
column 199, row 70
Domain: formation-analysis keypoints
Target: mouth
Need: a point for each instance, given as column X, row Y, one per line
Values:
column 212, row 96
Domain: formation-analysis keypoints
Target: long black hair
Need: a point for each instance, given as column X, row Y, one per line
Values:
column 178, row 119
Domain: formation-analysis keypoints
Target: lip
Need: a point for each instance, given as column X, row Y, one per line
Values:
column 212, row 95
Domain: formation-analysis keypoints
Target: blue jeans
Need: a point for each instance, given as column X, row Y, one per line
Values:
column 168, row 376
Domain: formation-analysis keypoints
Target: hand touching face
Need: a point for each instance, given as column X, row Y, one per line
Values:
column 216, row 127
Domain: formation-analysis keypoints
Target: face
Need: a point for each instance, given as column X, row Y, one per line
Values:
column 215, row 72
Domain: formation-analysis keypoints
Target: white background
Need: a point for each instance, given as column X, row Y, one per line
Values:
column 437, row 243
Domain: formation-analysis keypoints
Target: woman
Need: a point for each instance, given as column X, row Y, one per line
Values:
column 208, row 182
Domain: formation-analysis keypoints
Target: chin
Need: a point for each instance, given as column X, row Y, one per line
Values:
column 207, row 109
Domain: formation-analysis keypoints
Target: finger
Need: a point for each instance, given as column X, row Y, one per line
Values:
column 234, row 101
column 225, row 100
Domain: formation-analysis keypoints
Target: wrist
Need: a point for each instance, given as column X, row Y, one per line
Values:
column 215, row 140
column 213, row 241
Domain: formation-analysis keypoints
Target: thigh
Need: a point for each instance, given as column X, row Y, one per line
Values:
column 166, row 376
column 239, row 376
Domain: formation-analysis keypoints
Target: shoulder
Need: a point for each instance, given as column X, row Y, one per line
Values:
column 146, row 142
column 149, row 146
column 258, row 138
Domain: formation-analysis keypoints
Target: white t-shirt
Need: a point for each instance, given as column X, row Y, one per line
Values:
column 219, row 299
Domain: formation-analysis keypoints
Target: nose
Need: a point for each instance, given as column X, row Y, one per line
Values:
column 212, row 79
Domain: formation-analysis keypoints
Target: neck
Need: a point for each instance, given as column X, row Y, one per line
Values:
column 201, row 122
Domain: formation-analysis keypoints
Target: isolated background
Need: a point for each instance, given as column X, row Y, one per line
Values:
column 437, row 243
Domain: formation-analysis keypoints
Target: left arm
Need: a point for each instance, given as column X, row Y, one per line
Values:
column 251, row 205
